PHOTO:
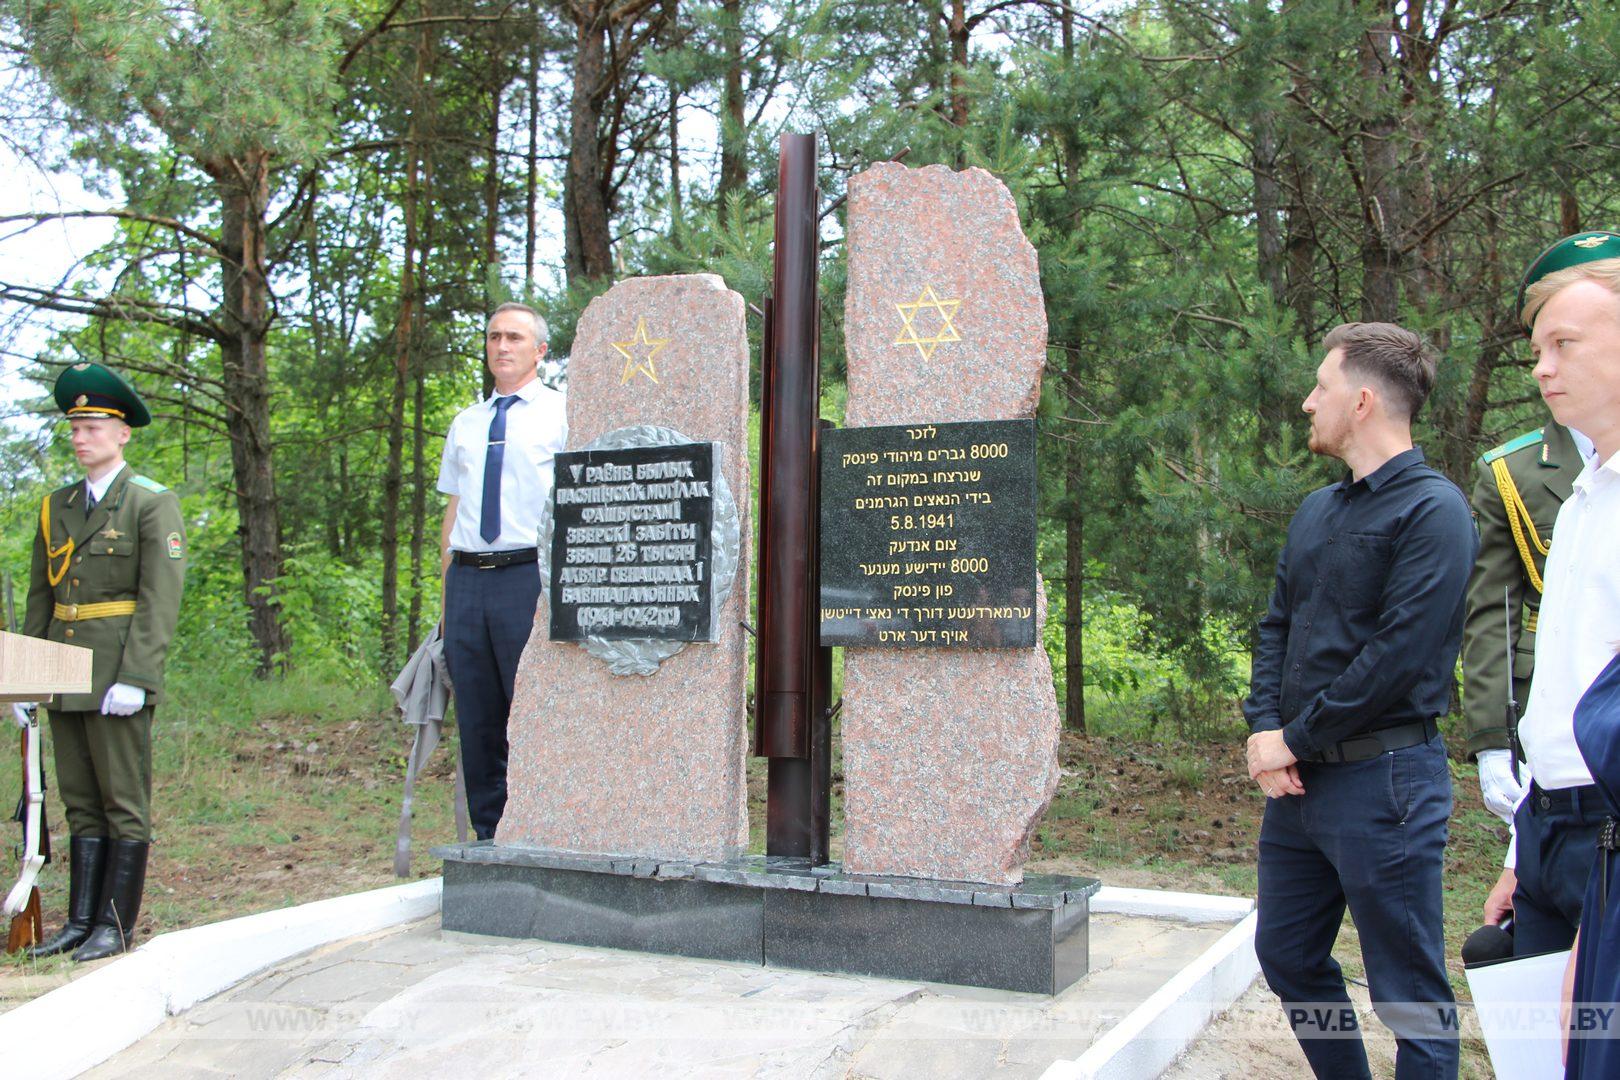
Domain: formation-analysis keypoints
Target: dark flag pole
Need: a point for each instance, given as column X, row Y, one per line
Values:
column 793, row 727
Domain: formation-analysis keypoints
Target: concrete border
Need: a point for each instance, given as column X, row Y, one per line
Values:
column 51, row 1037
column 1150, row 1038
column 1155, row 903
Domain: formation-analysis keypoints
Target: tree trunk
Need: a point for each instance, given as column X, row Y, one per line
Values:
column 588, row 246
column 1380, row 248
column 1569, row 213
column 242, row 185
column 404, row 329
column 532, row 162
column 671, row 16
column 491, row 254
column 492, row 179
column 959, row 66
column 1074, row 585
column 1300, row 255
column 733, row 122
column 1267, row 208
column 1492, row 332
column 938, row 62
column 419, row 525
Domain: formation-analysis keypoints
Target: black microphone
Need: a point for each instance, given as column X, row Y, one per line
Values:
column 1488, row 943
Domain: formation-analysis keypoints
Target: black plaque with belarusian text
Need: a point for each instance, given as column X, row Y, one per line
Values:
column 928, row 535
column 630, row 543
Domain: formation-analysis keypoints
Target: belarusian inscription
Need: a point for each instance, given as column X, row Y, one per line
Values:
column 928, row 535
column 630, row 543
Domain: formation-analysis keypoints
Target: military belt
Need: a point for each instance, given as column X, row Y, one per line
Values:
column 104, row 610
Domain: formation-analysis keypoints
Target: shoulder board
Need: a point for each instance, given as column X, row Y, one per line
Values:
column 148, row 483
column 1529, row 438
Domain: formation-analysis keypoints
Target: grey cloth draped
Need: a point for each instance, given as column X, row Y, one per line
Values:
column 422, row 692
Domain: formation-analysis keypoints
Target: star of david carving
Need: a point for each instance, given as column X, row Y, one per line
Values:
column 644, row 366
column 946, row 332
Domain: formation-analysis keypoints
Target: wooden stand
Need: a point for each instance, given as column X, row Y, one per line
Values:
column 31, row 670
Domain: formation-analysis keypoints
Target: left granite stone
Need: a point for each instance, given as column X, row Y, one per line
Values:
column 644, row 764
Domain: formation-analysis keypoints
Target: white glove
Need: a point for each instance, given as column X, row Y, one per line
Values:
column 1502, row 793
column 20, row 712
column 123, row 700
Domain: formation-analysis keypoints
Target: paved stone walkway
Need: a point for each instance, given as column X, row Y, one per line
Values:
column 419, row 1002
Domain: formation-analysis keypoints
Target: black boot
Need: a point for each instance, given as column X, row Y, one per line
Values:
column 86, row 858
column 121, row 901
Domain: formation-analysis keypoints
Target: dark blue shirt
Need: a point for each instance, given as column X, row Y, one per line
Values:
column 1366, row 616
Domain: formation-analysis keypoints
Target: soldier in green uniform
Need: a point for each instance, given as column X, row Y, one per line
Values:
column 1518, row 488
column 108, row 566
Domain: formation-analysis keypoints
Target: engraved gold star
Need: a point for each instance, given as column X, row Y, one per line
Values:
column 645, row 365
column 946, row 332
column 111, row 533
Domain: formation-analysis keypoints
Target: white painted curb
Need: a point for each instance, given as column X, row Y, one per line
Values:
column 1148, row 1040
column 1189, row 907
column 82, row 1024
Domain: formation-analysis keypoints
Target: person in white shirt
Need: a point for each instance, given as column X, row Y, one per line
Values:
column 1570, row 301
column 497, row 471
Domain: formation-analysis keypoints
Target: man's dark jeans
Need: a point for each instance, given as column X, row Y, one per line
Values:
column 1370, row 835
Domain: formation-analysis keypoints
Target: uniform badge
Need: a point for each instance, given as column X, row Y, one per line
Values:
column 85, row 366
column 177, row 547
column 1590, row 241
column 111, row 533
column 81, row 401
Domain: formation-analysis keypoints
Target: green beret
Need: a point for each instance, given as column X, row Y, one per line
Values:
column 88, row 389
column 1581, row 247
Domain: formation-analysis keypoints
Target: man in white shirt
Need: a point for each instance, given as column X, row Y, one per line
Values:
column 497, row 471
column 1570, row 301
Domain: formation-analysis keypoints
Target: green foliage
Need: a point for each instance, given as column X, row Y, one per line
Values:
column 218, row 77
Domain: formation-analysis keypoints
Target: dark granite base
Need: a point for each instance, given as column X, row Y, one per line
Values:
column 1031, row 937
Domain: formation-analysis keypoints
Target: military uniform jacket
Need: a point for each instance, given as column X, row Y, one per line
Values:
column 130, row 547
column 1542, row 466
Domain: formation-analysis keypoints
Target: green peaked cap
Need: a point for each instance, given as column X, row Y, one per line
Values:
column 1572, row 250
column 88, row 389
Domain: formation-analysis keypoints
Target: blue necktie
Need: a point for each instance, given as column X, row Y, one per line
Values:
column 489, row 517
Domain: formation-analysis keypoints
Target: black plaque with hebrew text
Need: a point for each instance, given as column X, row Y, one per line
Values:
column 928, row 535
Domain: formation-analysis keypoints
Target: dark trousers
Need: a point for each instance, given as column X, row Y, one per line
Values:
column 488, row 615
column 104, row 773
column 1555, row 844
column 1369, row 836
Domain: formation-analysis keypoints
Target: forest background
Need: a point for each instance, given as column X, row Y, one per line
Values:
column 313, row 203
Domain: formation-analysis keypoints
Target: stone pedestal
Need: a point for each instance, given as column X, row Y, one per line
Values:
column 1032, row 937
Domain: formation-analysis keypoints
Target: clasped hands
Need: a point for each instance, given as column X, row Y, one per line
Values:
column 1273, row 766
